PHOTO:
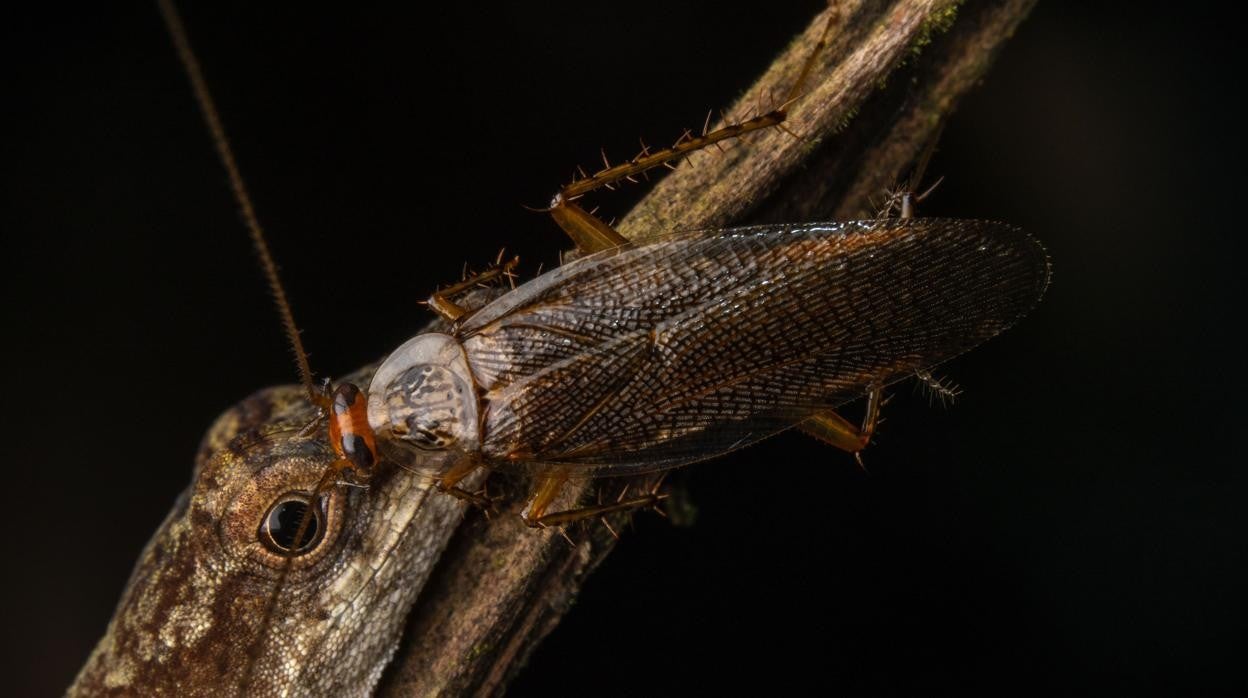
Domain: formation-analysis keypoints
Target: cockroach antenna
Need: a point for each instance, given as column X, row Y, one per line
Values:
column 343, row 407
column 226, row 154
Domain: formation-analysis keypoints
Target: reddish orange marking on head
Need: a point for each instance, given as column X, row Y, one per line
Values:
column 349, row 432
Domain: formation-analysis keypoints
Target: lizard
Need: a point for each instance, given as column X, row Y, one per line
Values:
column 192, row 618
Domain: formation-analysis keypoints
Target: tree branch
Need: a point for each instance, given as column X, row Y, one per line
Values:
column 889, row 77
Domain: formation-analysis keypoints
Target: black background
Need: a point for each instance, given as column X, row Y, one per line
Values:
column 1074, row 524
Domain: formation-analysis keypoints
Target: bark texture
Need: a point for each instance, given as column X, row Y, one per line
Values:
column 891, row 73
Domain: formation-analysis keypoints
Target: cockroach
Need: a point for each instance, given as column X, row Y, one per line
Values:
column 636, row 358
column 641, row 358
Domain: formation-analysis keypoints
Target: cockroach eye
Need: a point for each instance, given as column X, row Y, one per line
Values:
column 281, row 524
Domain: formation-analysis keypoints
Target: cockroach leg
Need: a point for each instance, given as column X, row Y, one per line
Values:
column 548, row 487
column 590, row 234
column 828, row 426
column 834, row 430
column 442, row 303
column 562, row 518
column 448, row 484
column 535, row 515
column 478, row 499
column 909, row 200
column 457, row 473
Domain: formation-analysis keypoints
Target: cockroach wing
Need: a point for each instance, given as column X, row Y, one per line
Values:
column 647, row 357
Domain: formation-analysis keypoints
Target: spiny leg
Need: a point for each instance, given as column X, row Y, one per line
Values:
column 830, row 427
column 442, row 303
column 905, row 198
column 834, row 430
column 588, row 232
column 448, row 483
column 591, row 234
column 548, row 488
column 827, row 425
column 938, row 388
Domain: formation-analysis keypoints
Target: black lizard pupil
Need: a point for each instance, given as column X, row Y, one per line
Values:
column 283, row 523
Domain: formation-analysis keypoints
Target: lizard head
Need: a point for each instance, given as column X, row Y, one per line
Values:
column 224, row 601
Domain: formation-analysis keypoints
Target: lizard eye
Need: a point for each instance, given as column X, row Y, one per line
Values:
column 281, row 524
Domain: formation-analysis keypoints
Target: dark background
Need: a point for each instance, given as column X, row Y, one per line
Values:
column 1075, row 524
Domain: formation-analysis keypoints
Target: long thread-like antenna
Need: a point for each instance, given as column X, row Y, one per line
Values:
column 209, row 110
